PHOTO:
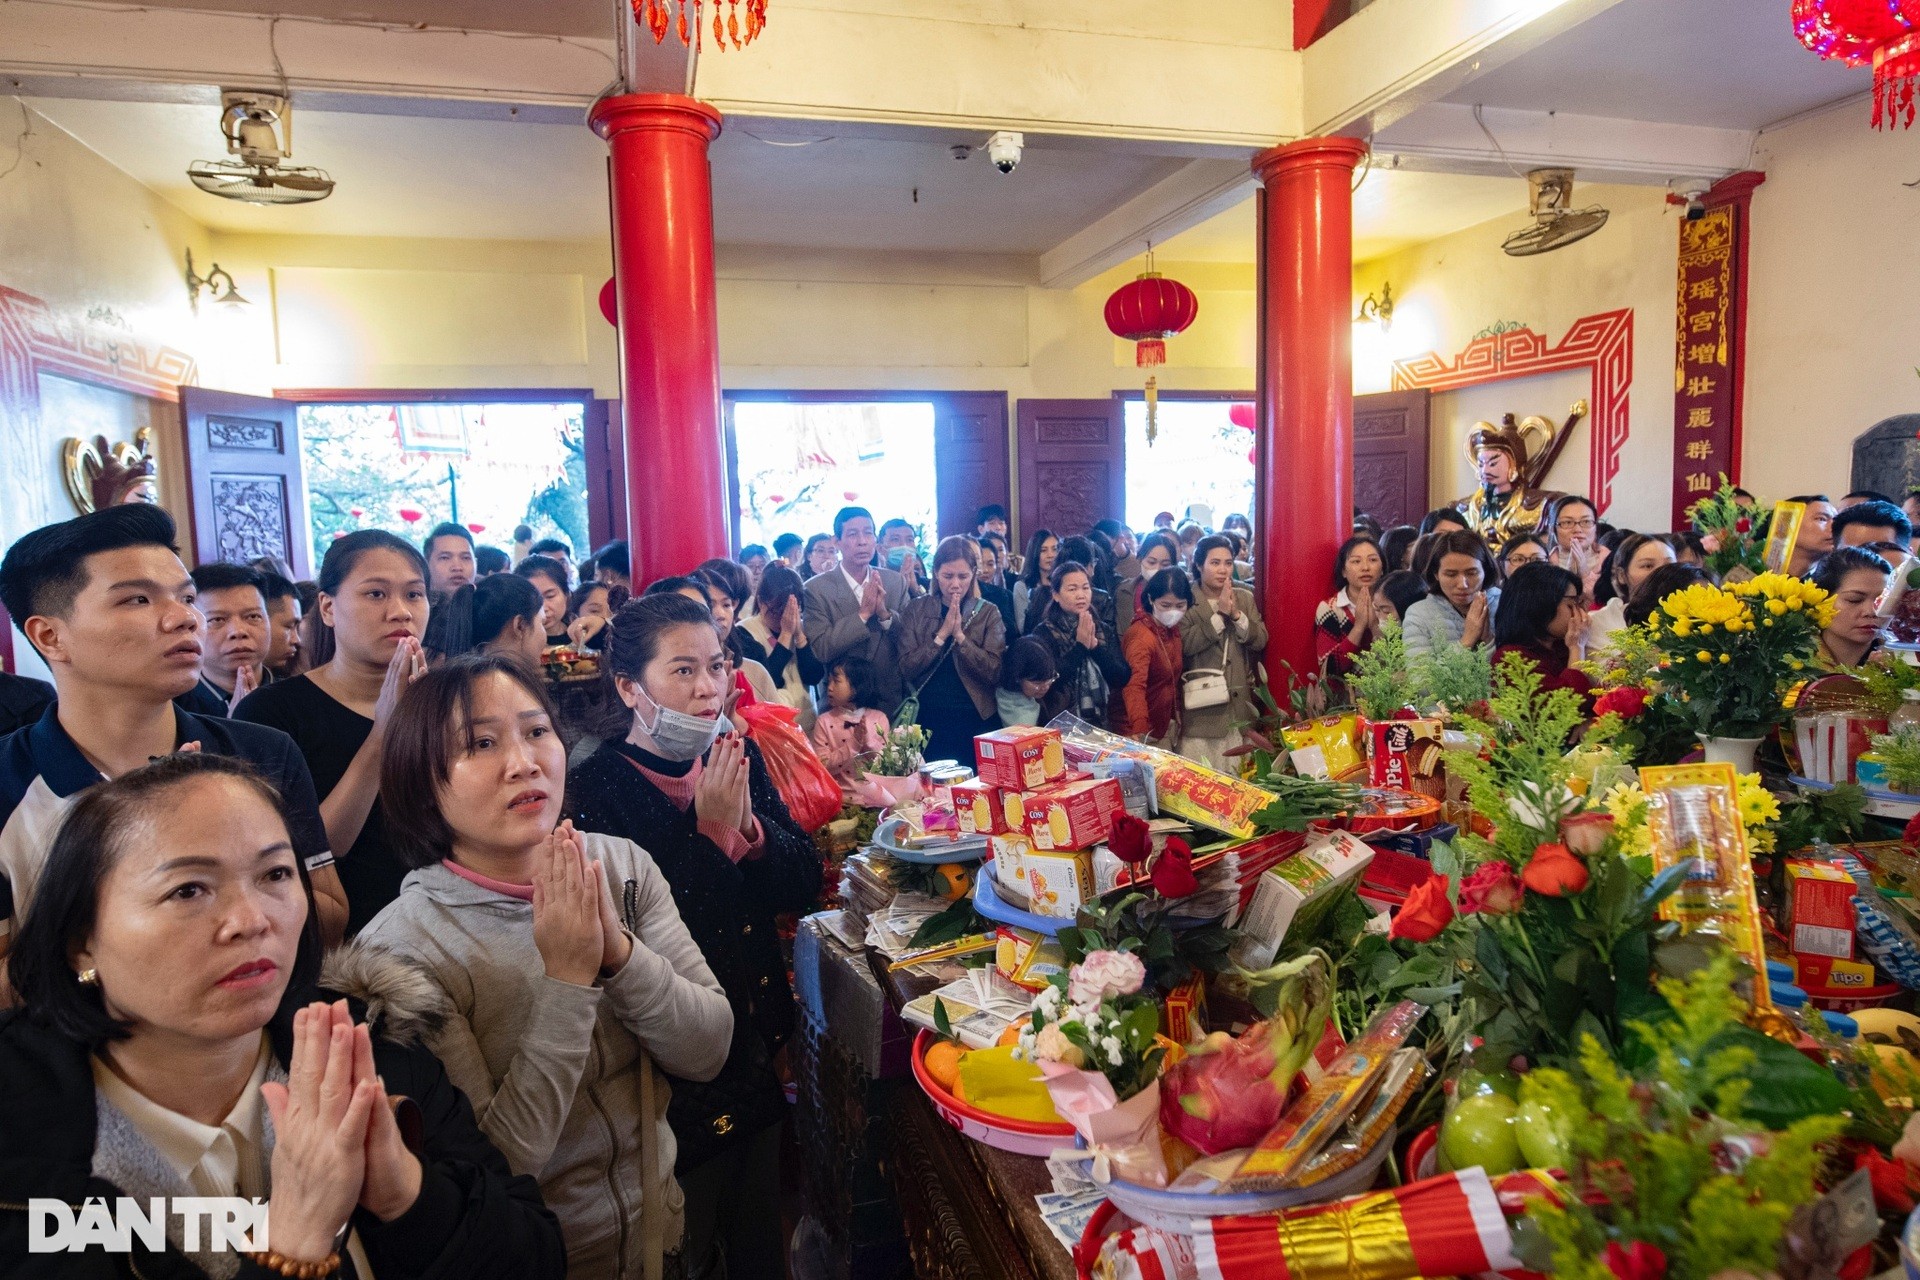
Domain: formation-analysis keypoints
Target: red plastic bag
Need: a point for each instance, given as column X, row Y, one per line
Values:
column 812, row 796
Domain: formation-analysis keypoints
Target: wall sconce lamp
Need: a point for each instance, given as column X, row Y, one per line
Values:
column 1379, row 309
column 216, row 281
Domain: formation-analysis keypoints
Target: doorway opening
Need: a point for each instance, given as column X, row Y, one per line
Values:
column 489, row 466
column 796, row 462
column 1201, row 458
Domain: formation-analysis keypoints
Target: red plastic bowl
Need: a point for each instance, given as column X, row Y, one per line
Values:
column 1022, row 1137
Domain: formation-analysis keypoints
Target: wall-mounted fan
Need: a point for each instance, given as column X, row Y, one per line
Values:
column 258, row 128
column 1556, row 223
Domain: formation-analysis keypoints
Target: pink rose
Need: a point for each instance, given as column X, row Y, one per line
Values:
column 1585, row 834
column 1103, row 974
column 1491, row 890
column 1710, row 541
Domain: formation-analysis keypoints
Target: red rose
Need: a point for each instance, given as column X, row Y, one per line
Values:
column 1492, row 890
column 1896, row 1184
column 1627, row 702
column 1130, row 839
column 1554, row 872
column 1638, row 1261
column 1173, row 870
column 1911, row 834
column 1425, row 913
column 1743, row 525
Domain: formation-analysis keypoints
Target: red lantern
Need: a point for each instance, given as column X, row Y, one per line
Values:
column 355, row 512
column 411, row 515
column 608, row 306
column 1856, row 32
column 1149, row 310
column 1241, row 415
column 476, row 528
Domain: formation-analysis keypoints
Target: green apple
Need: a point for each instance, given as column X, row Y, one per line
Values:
column 1480, row 1131
column 1475, row 1080
column 1543, row 1130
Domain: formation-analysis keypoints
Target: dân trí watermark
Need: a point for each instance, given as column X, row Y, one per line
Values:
column 222, row 1222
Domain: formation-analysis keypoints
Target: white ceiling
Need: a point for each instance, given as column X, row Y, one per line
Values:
column 1392, row 210
column 1729, row 64
column 411, row 176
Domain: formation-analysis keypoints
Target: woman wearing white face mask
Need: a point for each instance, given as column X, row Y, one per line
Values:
column 699, row 798
column 1153, row 649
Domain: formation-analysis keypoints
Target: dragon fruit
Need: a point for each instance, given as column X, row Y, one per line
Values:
column 1227, row 1093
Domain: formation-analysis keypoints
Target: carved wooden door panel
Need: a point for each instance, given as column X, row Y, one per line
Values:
column 244, row 473
column 969, row 456
column 605, row 445
column 1390, row 457
column 1073, row 465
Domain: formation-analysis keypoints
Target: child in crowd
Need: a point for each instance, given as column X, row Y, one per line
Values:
column 1025, row 677
column 850, row 727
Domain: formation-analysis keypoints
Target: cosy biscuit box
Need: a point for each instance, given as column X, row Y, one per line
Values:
column 1020, row 757
column 979, row 809
column 1010, row 864
column 1074, row 815
column 1059, row 882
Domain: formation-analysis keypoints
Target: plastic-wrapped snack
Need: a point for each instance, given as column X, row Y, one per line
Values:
column 1181, row 787
column 1313, row 1119
column 1693, row 813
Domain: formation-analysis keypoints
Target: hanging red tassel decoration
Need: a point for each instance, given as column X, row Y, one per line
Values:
column 685, row 18
column 1885, row 33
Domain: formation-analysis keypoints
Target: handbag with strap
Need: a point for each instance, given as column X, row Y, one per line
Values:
column 1205, row 687
column 909, row 712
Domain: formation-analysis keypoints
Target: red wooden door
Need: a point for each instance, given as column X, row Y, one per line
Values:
column 244, row 474
column 1073, row 465
column 604, row 443
column 1390, row 458
column 970, row 456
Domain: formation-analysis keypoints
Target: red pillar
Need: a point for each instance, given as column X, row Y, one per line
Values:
column 1305, row 475
column 662, row 192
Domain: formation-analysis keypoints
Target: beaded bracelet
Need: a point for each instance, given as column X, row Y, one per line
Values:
column 293, row 1270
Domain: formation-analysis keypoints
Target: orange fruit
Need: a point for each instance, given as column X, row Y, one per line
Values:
column 1012, row 1034
column 956, row 879
column 943, row 1064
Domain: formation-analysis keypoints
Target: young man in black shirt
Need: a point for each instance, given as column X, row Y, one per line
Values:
column 450, row 560
column 283, row 625
column 232, row 600
column 105, row 600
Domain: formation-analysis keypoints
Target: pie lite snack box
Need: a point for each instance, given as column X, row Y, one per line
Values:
column 1074, row 815
column 1020, row 758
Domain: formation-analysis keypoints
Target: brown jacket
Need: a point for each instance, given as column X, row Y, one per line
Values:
column 982, row 643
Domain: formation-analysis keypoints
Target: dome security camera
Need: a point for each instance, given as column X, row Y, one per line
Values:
column 1004, row 148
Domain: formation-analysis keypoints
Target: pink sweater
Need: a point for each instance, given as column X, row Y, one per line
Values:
column 839, row 736
column 737, row 847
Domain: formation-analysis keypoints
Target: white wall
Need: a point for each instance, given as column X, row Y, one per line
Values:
column 1833, row 322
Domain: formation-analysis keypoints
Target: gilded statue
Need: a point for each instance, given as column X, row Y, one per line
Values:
column 100, row 475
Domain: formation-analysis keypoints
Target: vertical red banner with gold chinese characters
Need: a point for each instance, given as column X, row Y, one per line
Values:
column 1710, row 325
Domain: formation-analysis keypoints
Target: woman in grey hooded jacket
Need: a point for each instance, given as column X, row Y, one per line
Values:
column 569, row 972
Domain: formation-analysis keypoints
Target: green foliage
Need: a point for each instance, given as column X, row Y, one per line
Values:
column 1815, row 817
column 1522, row 781
column 1887, row 683
column 1380, row 681
column 1137, row 922
column 1453, row 677
column 958, row 921
column 1720, row 516
column 1299, row 801
column 1901, row 751
column 1646, row 1148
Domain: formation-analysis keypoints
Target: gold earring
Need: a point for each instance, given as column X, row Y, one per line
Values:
column 89, row 977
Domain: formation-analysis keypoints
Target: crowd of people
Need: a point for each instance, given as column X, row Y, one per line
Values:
column 1556, row 592
column 311, row 891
